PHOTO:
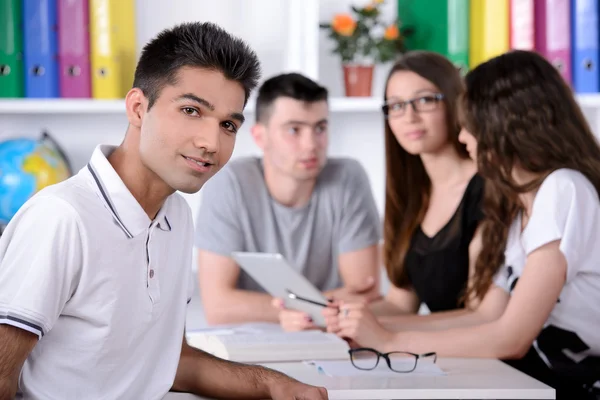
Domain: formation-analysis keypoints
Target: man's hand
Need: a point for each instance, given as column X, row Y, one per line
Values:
column 206, row 375
column 292, row 320
column 287, row 388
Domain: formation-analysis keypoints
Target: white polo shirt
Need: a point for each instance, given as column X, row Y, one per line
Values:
column 104, row 287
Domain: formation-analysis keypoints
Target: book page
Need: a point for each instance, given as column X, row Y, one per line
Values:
column 284, row 338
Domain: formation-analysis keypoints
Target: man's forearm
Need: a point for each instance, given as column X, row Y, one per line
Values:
column 203, row 374
column 15, row 345
column 241, row 306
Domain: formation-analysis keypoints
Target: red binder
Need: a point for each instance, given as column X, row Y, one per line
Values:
column 74, row 48
column 553, row 34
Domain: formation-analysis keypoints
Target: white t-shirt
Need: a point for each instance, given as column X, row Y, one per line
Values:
column 103, row 287
column 566, row 208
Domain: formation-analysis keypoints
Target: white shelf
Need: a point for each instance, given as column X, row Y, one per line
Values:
column 61, row 106
column 90, row 106
column 355, row 104
column 591, row 100
column 99, row 107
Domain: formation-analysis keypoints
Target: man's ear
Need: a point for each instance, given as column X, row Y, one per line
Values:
column 258, row 132
column 135, row 105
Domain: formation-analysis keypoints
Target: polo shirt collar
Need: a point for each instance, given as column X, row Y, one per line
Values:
column 125, row 209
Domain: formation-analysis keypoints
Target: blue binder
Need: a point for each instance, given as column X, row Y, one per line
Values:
column 40, row 44
column 585, row 49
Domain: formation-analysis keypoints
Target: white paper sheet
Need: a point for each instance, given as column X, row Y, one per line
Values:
column 345, row 368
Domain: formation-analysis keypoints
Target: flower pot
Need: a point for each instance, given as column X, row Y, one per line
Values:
column 358, row 80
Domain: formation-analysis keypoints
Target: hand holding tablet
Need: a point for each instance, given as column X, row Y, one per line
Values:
column 280, row 280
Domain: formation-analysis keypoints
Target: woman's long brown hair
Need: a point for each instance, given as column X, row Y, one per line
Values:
column 523, row 114
column 407, row 184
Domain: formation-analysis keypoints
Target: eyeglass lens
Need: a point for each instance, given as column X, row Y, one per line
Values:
column 424, row 103
column 364, row 359
column 402, row 362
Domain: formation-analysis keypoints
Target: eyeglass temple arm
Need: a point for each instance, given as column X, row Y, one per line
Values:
column 433, row 353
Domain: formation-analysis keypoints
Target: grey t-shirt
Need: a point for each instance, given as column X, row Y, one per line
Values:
column 237, row 213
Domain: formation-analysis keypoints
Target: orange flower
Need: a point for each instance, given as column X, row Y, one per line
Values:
column 343, row 24
column 391, row 32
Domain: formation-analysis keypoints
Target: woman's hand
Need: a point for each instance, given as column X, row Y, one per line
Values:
column 356, row 322
column 331, row 315
column 292, row 320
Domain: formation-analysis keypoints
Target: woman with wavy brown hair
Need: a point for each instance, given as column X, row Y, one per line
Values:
column 538, row 274
column 433, row 195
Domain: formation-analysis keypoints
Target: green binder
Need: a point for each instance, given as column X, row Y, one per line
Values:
column 441, row 26
column 11, row 49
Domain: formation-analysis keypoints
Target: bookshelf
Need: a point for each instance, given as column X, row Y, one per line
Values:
column 286, row 37
column 100, row 107
column 103, row 107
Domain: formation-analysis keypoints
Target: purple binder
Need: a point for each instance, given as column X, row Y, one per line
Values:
column 553, row 34
column 74, row 49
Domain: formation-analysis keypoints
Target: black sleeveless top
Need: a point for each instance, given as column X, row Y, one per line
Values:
column 438, row 266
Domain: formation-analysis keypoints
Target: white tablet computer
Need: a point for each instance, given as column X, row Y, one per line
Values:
column 278, row 278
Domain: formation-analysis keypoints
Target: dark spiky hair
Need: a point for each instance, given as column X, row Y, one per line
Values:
column 292, row 85
column 194, row 44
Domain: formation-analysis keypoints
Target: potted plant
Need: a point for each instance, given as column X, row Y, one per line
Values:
column 362, row 39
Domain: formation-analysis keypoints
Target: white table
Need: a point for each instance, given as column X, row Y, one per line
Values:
column 465, row 379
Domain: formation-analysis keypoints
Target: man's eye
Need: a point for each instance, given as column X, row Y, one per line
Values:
column 230, row 126
column 190, row 111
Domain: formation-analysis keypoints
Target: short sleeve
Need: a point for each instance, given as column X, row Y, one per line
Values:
column 360, row 221
column 501, row 278
column 42, row 254
column 514, row 259
column 566, row 208
column 218, row 227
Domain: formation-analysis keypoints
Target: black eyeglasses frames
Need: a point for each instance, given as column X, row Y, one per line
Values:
column 425, row 103
column 398, row 361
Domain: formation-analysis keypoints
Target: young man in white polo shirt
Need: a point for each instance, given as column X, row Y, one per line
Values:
column 94, row 271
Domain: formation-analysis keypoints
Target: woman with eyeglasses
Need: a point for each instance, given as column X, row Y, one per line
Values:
column 433, row 192
column 538, row 274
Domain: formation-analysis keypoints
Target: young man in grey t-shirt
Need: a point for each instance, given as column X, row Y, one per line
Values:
column 318, row 212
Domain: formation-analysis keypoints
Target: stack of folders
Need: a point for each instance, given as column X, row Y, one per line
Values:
column 470, row 32
column 67, row 48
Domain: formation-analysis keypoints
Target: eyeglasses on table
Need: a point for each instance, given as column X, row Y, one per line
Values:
column 398, row 361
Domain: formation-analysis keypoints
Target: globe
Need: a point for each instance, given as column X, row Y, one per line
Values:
column 28, row 165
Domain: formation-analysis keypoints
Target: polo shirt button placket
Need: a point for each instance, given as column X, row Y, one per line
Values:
column 153, row 291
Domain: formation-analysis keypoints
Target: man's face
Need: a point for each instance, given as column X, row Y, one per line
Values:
column 294, row 139
column 189, row 133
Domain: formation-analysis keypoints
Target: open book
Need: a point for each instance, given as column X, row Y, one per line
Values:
column 270, row 346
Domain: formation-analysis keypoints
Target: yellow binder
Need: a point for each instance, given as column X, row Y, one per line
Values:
column 112, row 47
column 488, row 30
column 126, row 25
